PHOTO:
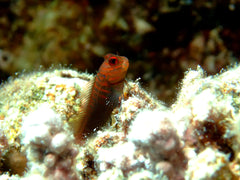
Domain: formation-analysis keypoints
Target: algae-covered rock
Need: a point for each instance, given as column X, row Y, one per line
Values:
column 144, row 139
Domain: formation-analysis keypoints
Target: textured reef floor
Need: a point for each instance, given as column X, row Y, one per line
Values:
column 198, row 137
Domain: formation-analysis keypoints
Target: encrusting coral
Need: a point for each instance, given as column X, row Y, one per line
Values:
column 60, row 90
column 196, row 138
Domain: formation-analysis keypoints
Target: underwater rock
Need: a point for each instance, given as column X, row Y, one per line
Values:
column 143, row 139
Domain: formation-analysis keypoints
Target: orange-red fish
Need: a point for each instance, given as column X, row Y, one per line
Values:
column 103, row 95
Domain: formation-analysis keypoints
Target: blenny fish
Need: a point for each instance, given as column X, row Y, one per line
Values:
column 103, row 94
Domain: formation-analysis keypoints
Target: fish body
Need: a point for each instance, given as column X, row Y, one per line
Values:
column 103, row 94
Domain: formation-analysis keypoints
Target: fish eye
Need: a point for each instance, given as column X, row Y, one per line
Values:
column 113, row 61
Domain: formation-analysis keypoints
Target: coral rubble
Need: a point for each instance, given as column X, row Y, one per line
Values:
column 196, row 138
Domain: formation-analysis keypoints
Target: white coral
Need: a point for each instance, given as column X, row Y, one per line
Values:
column 146, row 123
column 38, row 126
column 208, row 164
column 59, row 143
column 47, row 141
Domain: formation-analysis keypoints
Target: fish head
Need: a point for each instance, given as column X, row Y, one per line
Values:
column 114, row 68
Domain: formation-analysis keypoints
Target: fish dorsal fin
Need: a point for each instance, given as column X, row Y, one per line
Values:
column 80, row 123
